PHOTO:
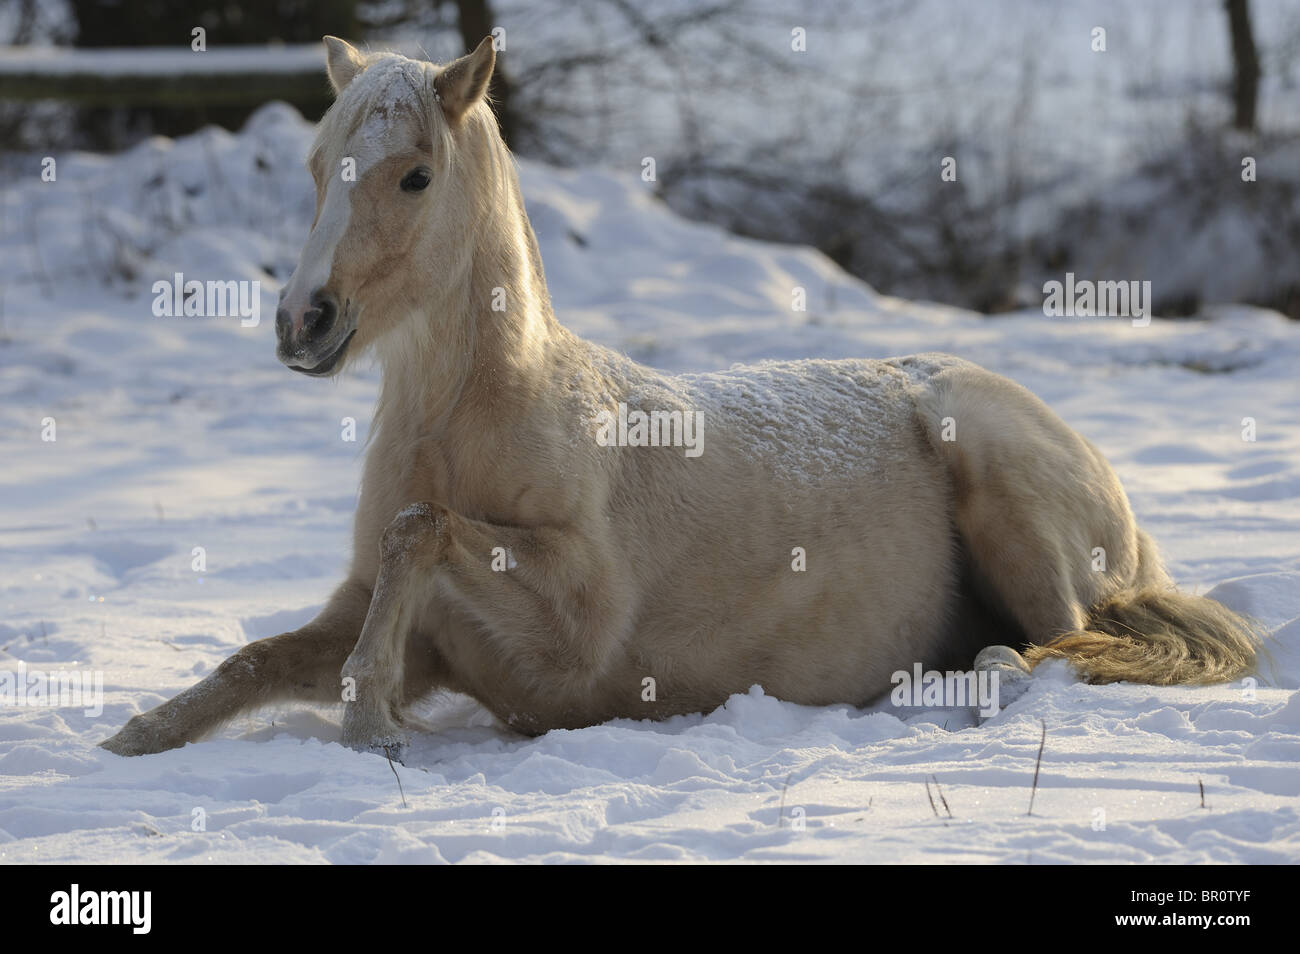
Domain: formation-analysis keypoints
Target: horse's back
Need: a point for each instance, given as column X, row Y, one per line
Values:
column 818, row 422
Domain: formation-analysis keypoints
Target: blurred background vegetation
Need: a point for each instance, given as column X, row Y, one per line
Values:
column 1121, row 162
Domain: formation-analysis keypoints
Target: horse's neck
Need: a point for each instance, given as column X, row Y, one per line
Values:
column 473, row 361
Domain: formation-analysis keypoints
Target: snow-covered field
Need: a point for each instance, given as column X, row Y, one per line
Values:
column 179, row 433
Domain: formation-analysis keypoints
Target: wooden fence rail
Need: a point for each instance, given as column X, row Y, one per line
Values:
column 165, row 76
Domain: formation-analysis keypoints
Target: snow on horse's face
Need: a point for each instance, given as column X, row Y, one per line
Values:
column 387, row 182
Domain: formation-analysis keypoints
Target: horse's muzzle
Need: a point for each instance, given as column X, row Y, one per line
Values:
column 315, row 341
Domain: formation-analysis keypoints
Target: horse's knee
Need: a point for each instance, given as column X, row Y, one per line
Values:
column 410, row 532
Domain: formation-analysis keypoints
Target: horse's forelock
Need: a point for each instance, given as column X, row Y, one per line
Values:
column 390, row 89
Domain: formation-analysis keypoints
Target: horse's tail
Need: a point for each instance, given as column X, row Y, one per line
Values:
column 1156, row 635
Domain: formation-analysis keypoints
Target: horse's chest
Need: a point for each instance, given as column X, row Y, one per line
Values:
column 395, row 476
column 399, row 473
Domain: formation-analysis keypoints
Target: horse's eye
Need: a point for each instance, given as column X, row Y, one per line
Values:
column 417, row 180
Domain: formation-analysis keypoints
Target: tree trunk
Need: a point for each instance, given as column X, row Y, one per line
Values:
column 1245, row 59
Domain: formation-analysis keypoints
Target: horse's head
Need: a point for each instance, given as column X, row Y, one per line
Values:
column 392, row 202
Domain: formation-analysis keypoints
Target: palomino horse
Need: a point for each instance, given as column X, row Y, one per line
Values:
column 569, row 537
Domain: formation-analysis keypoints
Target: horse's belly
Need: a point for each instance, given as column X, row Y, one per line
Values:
column 816, row 593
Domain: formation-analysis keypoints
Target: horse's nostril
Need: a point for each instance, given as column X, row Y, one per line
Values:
column 317, row 322
column 312, row 324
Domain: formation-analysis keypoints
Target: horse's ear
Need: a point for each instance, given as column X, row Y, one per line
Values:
column 464, row 81
column 343, row 62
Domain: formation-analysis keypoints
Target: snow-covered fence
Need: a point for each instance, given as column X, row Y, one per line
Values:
column 165, row 76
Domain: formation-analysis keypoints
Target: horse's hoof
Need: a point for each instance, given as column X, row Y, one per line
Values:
column 1001, row 659
column 385, row 740
column 392, row 748
column 119, row 746
column 1012, row 673
column 138, row 738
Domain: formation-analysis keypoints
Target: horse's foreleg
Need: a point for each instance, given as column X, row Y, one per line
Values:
column 376, row 667
column 545, row 595
column 303, row 664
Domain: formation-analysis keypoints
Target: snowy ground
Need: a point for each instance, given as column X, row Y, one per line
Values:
column 181, row 433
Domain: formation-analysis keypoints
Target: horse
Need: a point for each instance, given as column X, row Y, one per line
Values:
column 569, row 537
